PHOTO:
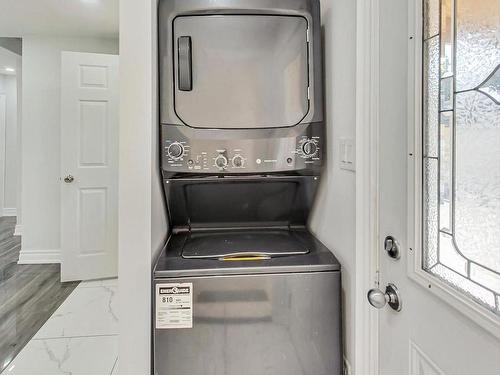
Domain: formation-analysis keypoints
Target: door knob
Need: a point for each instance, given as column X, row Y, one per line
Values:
column 69, row 179
column 379, row 299
column 392, row 247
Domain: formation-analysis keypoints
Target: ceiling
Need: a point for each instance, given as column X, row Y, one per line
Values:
column 8, row 61
column 91, row 18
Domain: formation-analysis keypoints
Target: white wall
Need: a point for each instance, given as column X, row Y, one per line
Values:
column 41, row 66
column 142, row 227
column 333, row 219
column 8, row 87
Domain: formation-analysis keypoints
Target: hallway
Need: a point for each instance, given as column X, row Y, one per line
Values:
column 29, row 294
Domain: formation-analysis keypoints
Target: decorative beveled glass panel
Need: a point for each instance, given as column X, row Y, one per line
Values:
column 446, row 172
column 446, row 35
column 450, row 257
column 461, row 144
column 491, row 86
column 446, row 90
column 431, row 96
column 477, row 190
column 485, row 277
column 465, row 285
column 478, row 41
column 431, row 18
column 431, row 212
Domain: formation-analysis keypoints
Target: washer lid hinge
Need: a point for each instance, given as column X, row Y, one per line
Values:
column 181, row 229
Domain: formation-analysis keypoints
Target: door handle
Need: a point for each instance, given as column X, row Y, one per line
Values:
column 185, row 64
column 69, row 179
column 379, row 299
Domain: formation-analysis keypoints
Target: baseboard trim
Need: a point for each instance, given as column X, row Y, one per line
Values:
column 18, row 230
column 9, row 212
column 39, row 256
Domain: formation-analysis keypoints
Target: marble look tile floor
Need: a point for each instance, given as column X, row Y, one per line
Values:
column 65, row 328
column 80, row 338
column 29, row 294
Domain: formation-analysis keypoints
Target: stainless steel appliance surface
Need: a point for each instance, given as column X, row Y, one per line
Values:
column 278, row 315
column 241, row 286
column 240, row 87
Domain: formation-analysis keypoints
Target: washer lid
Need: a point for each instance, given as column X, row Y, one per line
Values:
column 240, row 244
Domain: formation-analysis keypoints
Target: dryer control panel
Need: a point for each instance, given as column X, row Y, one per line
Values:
column 184, row 150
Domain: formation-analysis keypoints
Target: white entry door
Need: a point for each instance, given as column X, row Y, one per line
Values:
column 439, row 187
column 89, row 170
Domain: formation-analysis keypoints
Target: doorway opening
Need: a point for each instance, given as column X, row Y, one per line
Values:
column 58, row 118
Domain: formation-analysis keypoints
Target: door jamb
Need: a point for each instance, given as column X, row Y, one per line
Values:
column 3, row 149
column 367, row 187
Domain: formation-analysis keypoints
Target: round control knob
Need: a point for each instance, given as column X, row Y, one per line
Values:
column 309, row 148
column 221, row 161
column 175, row 150
column 237, row 161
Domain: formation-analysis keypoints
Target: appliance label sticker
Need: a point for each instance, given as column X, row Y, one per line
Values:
column 174, row 306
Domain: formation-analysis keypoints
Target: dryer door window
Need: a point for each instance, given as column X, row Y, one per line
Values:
column 241, row 71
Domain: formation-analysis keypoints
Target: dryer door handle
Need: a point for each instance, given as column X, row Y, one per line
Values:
column 185, row 63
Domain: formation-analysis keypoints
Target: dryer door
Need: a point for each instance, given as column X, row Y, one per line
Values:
column 241, row 71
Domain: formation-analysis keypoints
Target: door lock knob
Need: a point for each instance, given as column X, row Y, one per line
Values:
column 69, row 179
column 379, row 299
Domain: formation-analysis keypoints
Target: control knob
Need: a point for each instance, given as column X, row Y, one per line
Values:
column 237, row 161
column 175, row 150
column 221, row 161
column 309, row 148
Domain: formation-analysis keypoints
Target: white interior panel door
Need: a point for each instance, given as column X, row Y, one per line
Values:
column 441, row 329
column 89, row 174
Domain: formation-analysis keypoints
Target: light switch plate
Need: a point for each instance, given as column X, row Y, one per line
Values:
column 347, row 154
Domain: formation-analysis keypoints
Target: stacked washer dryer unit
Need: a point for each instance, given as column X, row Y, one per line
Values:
column 242, row 287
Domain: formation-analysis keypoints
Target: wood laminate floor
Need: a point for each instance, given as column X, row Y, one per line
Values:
column 29, row 294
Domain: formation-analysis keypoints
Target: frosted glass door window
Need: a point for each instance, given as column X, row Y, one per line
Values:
column 461, row 146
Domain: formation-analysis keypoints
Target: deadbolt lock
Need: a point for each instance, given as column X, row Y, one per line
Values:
column 392, row 247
